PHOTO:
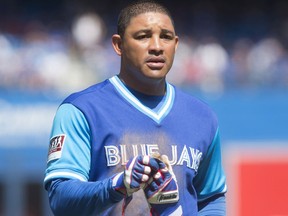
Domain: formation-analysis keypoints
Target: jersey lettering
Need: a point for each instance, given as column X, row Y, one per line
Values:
column 196, row 157
column 112, row 154
column 184, row 157
column 190, row 156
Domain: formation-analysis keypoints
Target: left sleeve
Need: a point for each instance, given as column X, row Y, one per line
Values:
column 213, row 206
column 210, row 181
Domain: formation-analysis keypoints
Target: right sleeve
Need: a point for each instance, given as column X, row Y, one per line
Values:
column 73, row 197
column 69, row 149
column 68, row 166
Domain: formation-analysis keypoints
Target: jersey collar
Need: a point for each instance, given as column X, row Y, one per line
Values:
column 156, row 116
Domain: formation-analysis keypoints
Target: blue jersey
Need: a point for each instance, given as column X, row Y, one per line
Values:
column 96, row 131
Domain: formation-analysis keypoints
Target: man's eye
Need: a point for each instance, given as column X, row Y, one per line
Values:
column 168, row 37
column 140, row 37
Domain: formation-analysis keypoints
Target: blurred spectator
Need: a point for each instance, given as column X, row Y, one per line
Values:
column 213, row 59
column 237, row 73
column 261, row 60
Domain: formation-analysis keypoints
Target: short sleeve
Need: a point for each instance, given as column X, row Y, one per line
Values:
column 69, row 148
column 210, row 179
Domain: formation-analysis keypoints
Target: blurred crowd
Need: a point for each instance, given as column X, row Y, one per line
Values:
column 43, row 59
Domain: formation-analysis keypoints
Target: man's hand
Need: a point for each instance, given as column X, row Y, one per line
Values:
column 161, row 191
column 137, row 172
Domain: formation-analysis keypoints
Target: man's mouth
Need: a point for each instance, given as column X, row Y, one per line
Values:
column 155, row 63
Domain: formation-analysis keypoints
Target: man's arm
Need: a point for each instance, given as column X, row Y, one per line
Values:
column 210, row 182
column 68, row 165
column 215, row 205
column 74, row 197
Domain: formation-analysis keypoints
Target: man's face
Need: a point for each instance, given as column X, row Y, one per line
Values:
column 148, row 47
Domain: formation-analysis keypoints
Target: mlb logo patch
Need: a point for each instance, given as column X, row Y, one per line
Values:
column 55, row 147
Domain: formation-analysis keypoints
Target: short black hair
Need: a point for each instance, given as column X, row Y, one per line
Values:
column 136, row 8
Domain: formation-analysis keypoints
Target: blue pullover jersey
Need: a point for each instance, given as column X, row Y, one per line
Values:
column 96, row 131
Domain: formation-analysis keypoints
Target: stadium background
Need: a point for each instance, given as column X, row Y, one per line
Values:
column 232, row 54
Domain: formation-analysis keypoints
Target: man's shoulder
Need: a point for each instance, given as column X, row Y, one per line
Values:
column 90, row 93
column 192, row 101
column 189, row 96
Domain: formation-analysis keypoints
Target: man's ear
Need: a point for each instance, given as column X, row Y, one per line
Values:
column 176, row 42
column 117, row 44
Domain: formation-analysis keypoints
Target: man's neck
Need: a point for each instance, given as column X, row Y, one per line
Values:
column 153, row 87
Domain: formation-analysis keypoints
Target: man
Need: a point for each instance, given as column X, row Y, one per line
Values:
column 134, row 143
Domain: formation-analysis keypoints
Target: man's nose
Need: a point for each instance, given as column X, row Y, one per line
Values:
column 155, row 45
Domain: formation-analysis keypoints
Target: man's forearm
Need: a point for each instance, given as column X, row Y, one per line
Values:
column 213, row 206
column 73, row 197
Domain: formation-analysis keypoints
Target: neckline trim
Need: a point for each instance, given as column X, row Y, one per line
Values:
column 128, row 96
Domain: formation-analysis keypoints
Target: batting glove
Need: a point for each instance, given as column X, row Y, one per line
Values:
column 137, row 172
column 161, row 191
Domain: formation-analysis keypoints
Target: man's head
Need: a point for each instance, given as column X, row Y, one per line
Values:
column 137, row 8
column 146, row 42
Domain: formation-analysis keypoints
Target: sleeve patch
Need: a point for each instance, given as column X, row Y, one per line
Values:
column 55, row 147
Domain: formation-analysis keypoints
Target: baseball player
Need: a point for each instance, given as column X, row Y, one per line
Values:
column 135, row 144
